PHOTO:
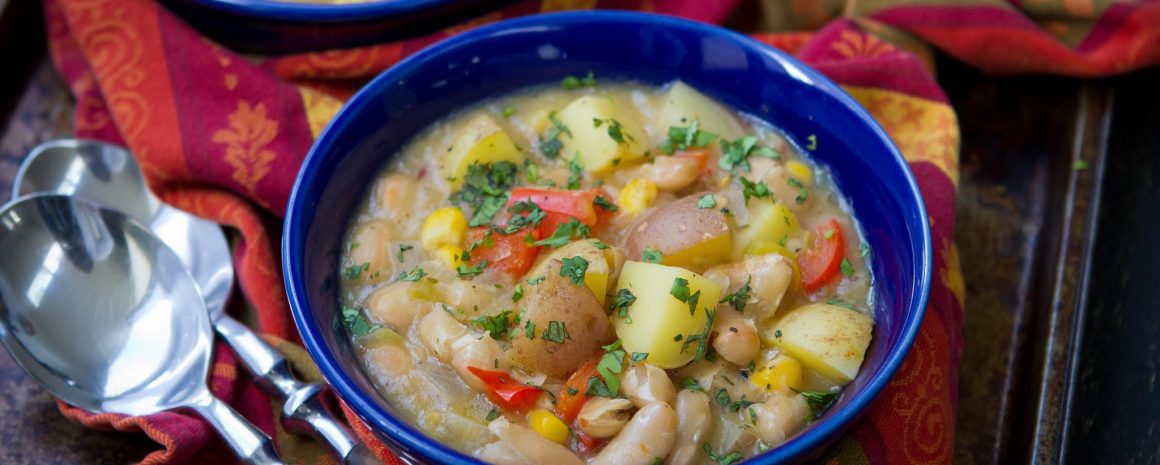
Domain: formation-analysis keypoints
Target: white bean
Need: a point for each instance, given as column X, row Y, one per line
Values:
column 694, row 422
column 737, row 340
column 439, row 330
column 530, row 446
column 394, row 306
column 498, row 453
column 670, row 174
column 649, row 435
column 391, row 360
column 602, row 417
column 644, row 384
column 769, row 277
column 368, row 255
column 781, row 415
column 482, row 353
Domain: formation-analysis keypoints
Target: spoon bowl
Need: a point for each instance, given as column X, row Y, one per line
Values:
column 103, row 315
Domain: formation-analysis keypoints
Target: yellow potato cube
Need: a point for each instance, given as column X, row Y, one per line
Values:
column 657, row 322
column 480, row 141
column 599, row 264
column 768, row 223
column 595, row 143
column 445, row 226
column 684, row 104
column 828, row 339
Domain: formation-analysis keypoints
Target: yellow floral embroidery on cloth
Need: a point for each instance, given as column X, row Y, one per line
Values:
column 320, row 109
column 855, row 45
column 250, row 131
column 922, row 129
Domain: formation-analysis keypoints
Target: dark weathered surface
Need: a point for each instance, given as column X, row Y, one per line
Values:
column 1115, row 411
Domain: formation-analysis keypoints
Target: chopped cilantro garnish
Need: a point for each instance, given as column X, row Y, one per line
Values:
column 525, row 214
column 496, row 325
column 530, row 329
column 465, row 271
column 847, row 269
column 841, row 303
column 777, row 333
column 615, row 130
column 639, row 356
column 1080, row 165
column 573, row 82
column 736, row 154
column 813, row 142
column 691, row 385
column 604, row 204
column 353, row 271
column 357, row 322
column 485, row 189
column 680, row 290
column 610, row 366
column 565, row 232
column 819, row 402
column 536, row 280
column 730, row 459
column 740, row 297
column 864, row 250
column 508, row 111
column 556, row 332
column 706, row 201
column 752, row 189
column 575, row 172
column 686, row 138
column 574, row 269
column 573, row 391
column 597, row 388
column 551, row 144
column 723, row 399
column 518, row 293
column 403, row 248
column 415, row 275
column 621, row 301
column 702, row 339
column 651, row 255
column 492, row 414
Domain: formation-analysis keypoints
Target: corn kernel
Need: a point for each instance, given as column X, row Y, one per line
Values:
column 444, row 226
column 637, row 195
column 452, row 255
column 782, row 372
column 801, row 171
column 549, row 426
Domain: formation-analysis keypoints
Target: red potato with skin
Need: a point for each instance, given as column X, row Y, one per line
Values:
column 685, row 235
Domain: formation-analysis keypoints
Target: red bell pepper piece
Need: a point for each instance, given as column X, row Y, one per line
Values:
column 820, row 264
column 504, row 391
column 575, row 204
column 508, row 253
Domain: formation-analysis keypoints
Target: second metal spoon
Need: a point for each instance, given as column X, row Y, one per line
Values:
column 108, row 175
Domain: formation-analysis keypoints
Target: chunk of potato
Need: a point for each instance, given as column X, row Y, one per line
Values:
column 599, row 264
column 556, row 299
column 683, row 104
column 480, row 141
column 598, row 151
column 829, row 339
column 656, row 317
column 769, row 223
column 685, row 235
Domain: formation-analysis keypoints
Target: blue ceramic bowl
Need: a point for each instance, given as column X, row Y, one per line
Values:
column 288, row 26
column 512, row 55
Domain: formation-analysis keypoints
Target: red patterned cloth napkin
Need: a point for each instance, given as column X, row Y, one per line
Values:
column 222, row 136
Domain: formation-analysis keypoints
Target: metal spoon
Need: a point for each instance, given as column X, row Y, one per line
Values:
column 108, row 175
column 105, row 316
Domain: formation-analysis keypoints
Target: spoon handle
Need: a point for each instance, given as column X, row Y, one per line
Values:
column 303, row 409
column 250, row 444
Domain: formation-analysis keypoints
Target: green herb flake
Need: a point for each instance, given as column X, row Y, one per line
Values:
column 556, row 332
column 575, row 172
column 656, row 461
column 777, row 333
column 518, row 293
column 492, row 415
column 485, row 190
column 638, row 357
column 864, row 250
column 706, row 201
column 686, row 138
column 740, row 297
column 508, row 111
column 574, row 268
column 621, row 301
column 728, row 459
column 1080, row 165
column 819, row 402
column 597, row 388
column 813, row 145
column 604, row 204
column 680, row 290
column 403, row 248
column 530, row 329
column 573, row 82
column 752, row 189
column 723, row 399
column 651, row 255
column 466, row 271
column 573, row 391
column 357, row 322
column 610, row 366
column 550, row 143
column 847, row 269
column 841, row 303
column 536, row 280
column 412, row 276
column 701, row 339
column 691, row 385
column 495, row 325
column 565, row 232
column 353, row 271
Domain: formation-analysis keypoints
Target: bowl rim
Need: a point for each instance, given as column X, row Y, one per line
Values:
column 304, row 12
column 401, row 433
